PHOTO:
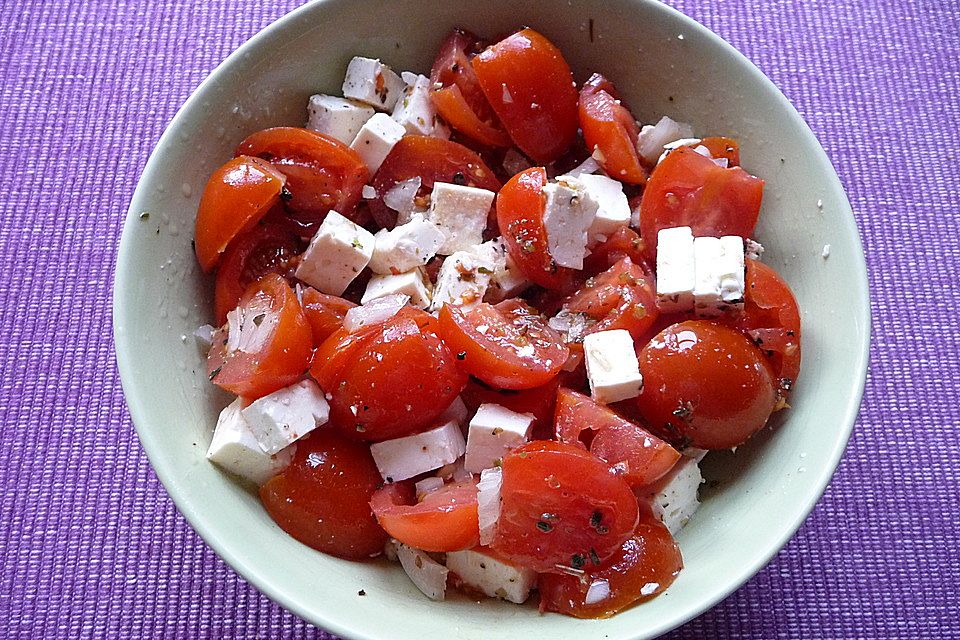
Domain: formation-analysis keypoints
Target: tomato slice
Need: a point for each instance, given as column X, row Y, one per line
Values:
column 706, row 385
column 322, row 172
column 324, row 313
column 266, row 343
column 388, row 380
column 624, row 243
column 622, row 297
column 647, row 563
column 432, row 160
column 540, row 401
column 561, row 507
column 266, row 248
column 322, row 498
column 508, row 346
column 445, row 520
column 638, row 455
column 609, row 127
column 722, row 147
column 688, row 189
column 530, row 87
column 237, row 195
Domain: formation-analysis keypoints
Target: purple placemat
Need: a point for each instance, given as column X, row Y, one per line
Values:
column 91, row 547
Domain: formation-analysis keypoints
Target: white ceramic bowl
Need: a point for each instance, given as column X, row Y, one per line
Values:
column 663, row 63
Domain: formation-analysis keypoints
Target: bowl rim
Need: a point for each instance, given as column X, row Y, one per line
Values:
column 139, row 411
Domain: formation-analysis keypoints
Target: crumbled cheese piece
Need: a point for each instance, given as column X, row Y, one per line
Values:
column 284, row 416
column 507, row 280
column 412, row 283
column 415, row 111
column 406, row 246
column 488, row 503
column 462, row 281
column 235, row 449
column 376, row 139
column 403, row 458
column 612, row 366
column 426, row 573
column 752, row 249
column 676, row 272
column 337, row 117
column 372, row 82
column 719, row 271
column 337, row 253
column 492, row 576
column 494, row 432
column 568, row 213
column 613, row 211
column 461, row 213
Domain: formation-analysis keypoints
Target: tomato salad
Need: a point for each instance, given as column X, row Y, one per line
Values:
column 487, row 324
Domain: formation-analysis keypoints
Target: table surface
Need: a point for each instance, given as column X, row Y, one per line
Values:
column 92, row 547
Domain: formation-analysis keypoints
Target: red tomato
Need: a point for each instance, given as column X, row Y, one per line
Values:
column 445, row 520
column 688, row 189
column 460, row 101
column 721, row 147
column 322, row 498
column 624, row 243
column 266, row 248
column 432, row 160
column 622, row 297
column 324, row 313
column 531, row 88
column 540, row 401
column 638, row 455
column 520, row 206
column 237, row 195
column 706, row 385
column 609, row 127
column 322, row 172
column 388, row 380
column 268, row 347
column 561, row 507
column 647, row 563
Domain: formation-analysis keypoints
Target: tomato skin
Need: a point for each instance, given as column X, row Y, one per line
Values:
column 517, row 350
column 445, row 520
column 322, row 498
column 322, row 172
column 688, row 189
column 561, row 506
column 649, row 556
column 280, row 359
column 530, row 87
column 624, row 243
column 432, row 160
column 325, row 313
column 236, row 196
column 609, row 126
column 706, row 385
column 622, row 297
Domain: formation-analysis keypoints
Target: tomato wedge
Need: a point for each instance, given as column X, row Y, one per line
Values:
column 561, row 507
column 647, row 563
column 508, row 345
column 322, row 498
column 622, row 297
column 688, row 189
column 237, row 195
column 445, row 520
column 609, row 127
column 722, row 147
column 324, row 313
column 266, row 343
column 530, row 87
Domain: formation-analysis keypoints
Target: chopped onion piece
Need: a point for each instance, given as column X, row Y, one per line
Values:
column 368, row 192
column 598, row 591
column 753, row 249
column 649, row 588
column 249, row 329
column 375, row 311
column 590, row 165
column 653, row 139
column 429, row 575
column 427, row 485
column 401, row 197
column 204, row 337
column 488, row 503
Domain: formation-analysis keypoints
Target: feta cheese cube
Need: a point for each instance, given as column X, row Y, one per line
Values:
column 337, row 117
column 372, row 82
column 235, row 449
column 375, row 139
column 461, row 213
column 494, row 432
column 412, row 283
column 375, row 311
column 652, row 138
column 488, row 503
column 674, row 497
column 414, row 110
column 462, row 281
column 284, row 416
column 337, row 253
column 613, row 211
column 406, row 246
column 507, row 279
column 426, row 573
column 719, row 274
column 676, row 274
column 492, row 576
column 403, row 458
column 612, row 366
column 567, row 215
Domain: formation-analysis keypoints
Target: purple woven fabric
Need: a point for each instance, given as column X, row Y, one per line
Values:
column 92, row 547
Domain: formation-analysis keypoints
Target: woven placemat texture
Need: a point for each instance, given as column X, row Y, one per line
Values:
column 92, row 547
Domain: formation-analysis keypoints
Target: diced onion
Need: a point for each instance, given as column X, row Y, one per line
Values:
column 375, row 311
column 590, row 165
column 598, row 591
column 488, row 503
column 427, row 485
column 249, row 329
column 653, row 139
column 401, row 196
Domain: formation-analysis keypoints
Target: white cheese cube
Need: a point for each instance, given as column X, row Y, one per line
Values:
column 414, row 110
column 462, row 281
column 376, row 139
column 337, row 117
column 429, row 575
column 652, row 138
column 488, row 503
column 375, row 311
column 612, row 366
column 372, row 82
column 406, row 246
column 461, row 213
column 494, row 432
column 719, row 274
column 337, row 253
column 507, row 280
column 403, row 458
column 284, row 416
column 492, row 576
column 567, row 216
column 676, row 274
column 234, row 449
column 412, row 283
column 613, row 211
column 674, row 498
